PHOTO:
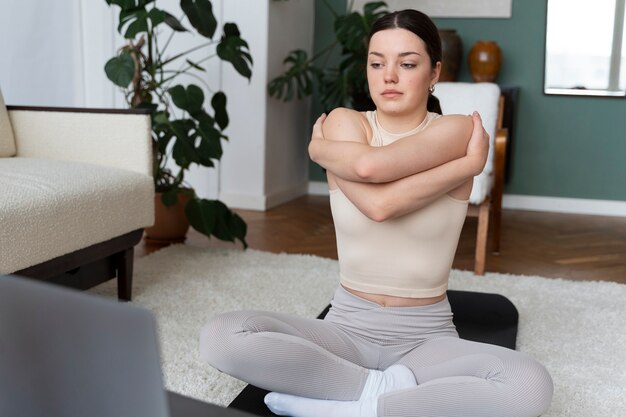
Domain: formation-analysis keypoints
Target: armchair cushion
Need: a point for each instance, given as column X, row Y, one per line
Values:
column 464, row 98
column 57, row 207
column 7, row 142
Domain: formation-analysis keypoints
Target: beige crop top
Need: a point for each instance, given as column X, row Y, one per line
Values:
column 409, row 256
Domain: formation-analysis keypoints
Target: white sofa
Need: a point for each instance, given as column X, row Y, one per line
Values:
column 76, row 191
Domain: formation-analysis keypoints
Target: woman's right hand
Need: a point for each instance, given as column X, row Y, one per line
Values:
column 478, row 146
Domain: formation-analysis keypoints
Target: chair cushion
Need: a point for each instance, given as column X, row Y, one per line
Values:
column 7, row 142
column 464, row 98
column 51, row 208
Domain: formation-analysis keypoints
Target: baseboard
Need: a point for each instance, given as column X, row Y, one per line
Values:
column 243, row 201
column 535, row 203
column 565, row 205
column 263, row 202
column 279, row 197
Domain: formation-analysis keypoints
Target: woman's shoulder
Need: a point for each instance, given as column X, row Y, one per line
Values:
column 348, row 121
column 346, row 114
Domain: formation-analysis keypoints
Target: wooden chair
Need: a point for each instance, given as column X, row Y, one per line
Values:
column 486, row 198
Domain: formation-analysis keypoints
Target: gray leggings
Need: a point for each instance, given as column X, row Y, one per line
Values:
column 331, row 358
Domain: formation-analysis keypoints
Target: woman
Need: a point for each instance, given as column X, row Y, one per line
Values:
column 399, row 181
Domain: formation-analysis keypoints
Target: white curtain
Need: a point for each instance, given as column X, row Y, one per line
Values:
column 52, row 53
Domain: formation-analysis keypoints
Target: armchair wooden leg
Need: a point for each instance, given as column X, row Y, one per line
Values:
column 124, row 261
column 498, row 189
column 496, row 213
column 481, row 237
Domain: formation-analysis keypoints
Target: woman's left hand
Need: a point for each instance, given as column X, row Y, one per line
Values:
column 478, row 146
column 317, row 128
column 316, row 136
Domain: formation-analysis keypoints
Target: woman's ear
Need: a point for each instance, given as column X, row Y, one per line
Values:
column 435, row 74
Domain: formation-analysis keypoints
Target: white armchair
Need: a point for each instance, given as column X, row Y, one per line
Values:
column 77, row 191
column 486, row 197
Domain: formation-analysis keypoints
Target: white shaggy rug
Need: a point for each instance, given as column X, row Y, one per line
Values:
column 576, row 329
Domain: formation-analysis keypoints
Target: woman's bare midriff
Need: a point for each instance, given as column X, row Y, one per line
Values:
column 393, row 301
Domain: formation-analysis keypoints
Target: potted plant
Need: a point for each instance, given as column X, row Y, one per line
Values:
column 183, row 131
column 339, row 85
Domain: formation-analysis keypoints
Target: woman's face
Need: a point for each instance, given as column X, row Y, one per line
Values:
column 399, row 71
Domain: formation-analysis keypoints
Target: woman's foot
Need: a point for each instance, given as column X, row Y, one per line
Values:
column 394, row 378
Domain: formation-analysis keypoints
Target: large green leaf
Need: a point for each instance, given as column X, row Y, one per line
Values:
column 164, row 138
column 218, row 102
column 159, row 119
column 201, row 214
column 239, row 229
column 210, row 146
column 190, row 99
column 120, row 69
column 156, row 17
column 235, row 50
column 170, row 197
column 200, row 15
column 228, row 225
column 352, row 29
column 137, row 20
column 373, row 10
column 334, row 90
column 299, row 77
column 174, row 23
column 212, row 217
column 183, row 151
column 163, row 131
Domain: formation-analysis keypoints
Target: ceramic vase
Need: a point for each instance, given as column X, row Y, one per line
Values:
column 452, row 52
column 485, row 60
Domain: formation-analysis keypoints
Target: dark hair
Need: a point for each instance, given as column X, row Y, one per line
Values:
column 424, row 28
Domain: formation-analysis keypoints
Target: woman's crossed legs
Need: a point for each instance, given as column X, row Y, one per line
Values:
column 313, row 361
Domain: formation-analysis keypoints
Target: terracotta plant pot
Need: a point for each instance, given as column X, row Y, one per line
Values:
column 485, row 60
column 170, row 223
column 452, row 51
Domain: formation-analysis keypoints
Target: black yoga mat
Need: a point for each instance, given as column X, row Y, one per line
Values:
column 480, row 317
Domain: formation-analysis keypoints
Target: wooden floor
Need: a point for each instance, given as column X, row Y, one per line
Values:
column 577, row 247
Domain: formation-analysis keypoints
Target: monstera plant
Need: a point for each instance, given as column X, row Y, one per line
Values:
column 185, row 131
column 340, row 85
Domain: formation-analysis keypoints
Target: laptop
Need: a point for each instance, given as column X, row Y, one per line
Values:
column 65, row 353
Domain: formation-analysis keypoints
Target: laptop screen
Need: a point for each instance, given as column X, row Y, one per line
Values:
column 72, row 354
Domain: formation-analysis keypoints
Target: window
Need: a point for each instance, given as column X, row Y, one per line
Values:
column 585, row 52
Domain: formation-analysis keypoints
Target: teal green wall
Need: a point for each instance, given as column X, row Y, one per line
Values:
column 324, row 36
column 563, row 146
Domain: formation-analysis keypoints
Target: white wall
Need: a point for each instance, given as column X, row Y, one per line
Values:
column 242, row 181
column 265, row 163
column 287, row 131
column 53, row 54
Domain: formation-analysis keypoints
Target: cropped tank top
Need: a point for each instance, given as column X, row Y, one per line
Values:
column 408, row 256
